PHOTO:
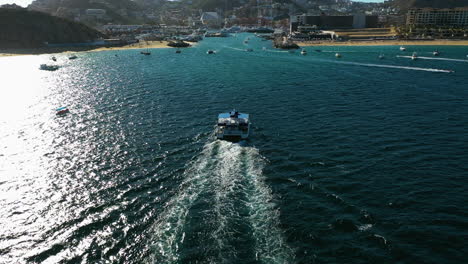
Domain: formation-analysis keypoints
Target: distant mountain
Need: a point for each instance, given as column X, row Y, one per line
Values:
column 406, row 4
column 30, row 29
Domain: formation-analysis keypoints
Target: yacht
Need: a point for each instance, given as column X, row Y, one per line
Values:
column 304, row 52
column 338, row 55
column 414, row 56
column 233, row 126
column 402, row 48
column 62, row 110
column 46, row 67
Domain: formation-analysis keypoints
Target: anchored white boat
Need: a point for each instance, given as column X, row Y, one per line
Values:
column 402, row 48
column 338, row 55
column 304, row 52
column 233, row 126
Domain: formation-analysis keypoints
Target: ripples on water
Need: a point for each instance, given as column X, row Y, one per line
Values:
column 349, row 162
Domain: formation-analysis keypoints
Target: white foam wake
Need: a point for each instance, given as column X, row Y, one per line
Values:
column 169, row 229
column 234, row 176
column 434, row 58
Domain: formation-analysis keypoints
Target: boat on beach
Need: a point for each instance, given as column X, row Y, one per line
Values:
column 233, row 126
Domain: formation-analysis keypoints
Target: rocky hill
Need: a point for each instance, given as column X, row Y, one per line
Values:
column 20, row 28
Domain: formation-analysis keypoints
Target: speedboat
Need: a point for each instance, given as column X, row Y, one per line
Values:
column 246, row 41
column 233, row 126
column 249, row 50
column 145, row 53
column 402, row 48
column 210, row 52
column 46, row 67
column 53, row 58
column 414, row 56
column 338, row 55
column 381, row 57
column 178, row 51
column 318, row 50
column 436, row 53
column 304, row 52
column 62, row 110
column 72, row 57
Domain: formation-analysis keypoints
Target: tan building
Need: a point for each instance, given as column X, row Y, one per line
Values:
column 438, row 17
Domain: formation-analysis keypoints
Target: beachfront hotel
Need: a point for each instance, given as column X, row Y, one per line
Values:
column 438, row 17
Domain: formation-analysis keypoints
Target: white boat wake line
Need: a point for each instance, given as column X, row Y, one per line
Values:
column 432, row 58
column 234, row 175
column 169, row 229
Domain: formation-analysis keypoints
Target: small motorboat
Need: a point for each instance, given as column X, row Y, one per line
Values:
column 318, row 50
column 53, row 58
column 338, row 55
column 402, row 48
column 146, row 53
column 210, row 52
column 62, row 110
column 73, row 57
column 178, row 51
column 304, row 52
column 381, row 57
column 233, row 126
column 436, row 53
column 414, row 56
column 249, row 50
column 246, row 41
column 46, row 67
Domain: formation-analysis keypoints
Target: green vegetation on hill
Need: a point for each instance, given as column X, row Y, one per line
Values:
column 20, row 28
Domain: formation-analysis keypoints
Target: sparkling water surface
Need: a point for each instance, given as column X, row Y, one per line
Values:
column 351, row 160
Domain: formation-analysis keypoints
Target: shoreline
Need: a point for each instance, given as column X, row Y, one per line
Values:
column 59, row 50
column 385, row 43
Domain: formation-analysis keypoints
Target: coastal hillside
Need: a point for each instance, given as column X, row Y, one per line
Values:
column 20, row 28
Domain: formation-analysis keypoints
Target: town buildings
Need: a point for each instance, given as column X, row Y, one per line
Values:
column 457, row 17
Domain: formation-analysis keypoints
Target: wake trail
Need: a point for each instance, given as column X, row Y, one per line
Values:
column 169, row 229
column 239, row 217
column 431, row 58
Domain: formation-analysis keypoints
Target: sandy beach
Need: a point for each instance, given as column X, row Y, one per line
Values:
column 38, row 51
column 386, row 43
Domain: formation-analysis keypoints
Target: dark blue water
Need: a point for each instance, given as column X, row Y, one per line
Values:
column 351, row 160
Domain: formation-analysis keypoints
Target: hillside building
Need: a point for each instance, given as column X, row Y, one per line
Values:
column 457, row 17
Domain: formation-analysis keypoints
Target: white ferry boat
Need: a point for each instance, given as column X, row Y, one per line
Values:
column 233, row 126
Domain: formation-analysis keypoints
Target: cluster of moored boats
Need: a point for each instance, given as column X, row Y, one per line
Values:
column 54, row 67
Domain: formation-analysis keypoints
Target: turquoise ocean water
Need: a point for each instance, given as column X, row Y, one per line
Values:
column 351, row 160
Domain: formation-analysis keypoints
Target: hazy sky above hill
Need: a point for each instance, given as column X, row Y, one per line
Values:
column 27, row 2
